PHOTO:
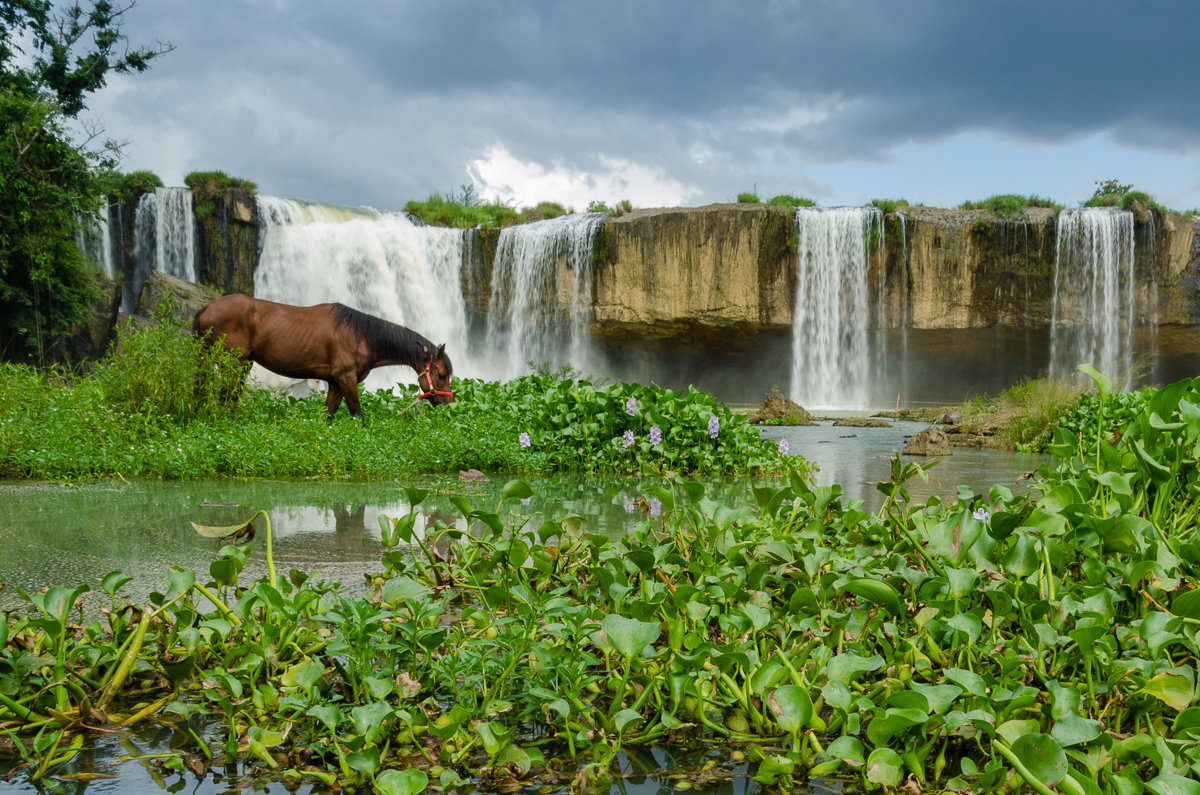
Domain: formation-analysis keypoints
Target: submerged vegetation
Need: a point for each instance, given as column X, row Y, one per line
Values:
column 1043, row 642
column 159, row 405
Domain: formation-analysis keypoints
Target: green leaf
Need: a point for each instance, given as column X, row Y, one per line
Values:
column 516, row 490
column 402, row 782
column 1103, row 385
column 884, row 766
column 845, row 667
column 1171, row 689
column 364, row 761
column 1073, row 729
column 793, row 708
column 624, row 719
column 1172, row 784
column 368, row 719
column 628, row 635
column 878, row 592
column 1042, row 756
column 401, row 589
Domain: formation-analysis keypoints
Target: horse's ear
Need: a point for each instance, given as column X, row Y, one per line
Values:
column 441, row 351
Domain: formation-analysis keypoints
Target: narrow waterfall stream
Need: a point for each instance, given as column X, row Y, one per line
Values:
column 541, row 295
column 380, row 263
column 1093, row 293
column 831, row 362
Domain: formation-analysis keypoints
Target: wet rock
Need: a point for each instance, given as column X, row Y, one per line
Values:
column 781, row 410
column 949, row 418
column 188, row 298
column 931, row 441
column 861, row 422
column 472, row 476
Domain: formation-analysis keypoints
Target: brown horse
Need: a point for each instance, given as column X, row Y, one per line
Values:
column 330, row 342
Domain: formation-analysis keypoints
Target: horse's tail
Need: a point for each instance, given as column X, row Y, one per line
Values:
column 196, row 330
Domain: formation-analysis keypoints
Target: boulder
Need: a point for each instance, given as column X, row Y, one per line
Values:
column 188, row 298
column 778, row 406
column 861, row 422
column 931, row 441
column 89, row 340
column 949, row 418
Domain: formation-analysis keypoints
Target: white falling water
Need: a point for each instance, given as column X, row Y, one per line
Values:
column 830, row 358
column 379, row 263
column 145, row 249
column 175, row 233
column 95, row 241
column 1093, row 312
column 541, row 294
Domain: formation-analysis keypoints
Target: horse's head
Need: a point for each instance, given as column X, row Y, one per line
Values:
column 434, row 380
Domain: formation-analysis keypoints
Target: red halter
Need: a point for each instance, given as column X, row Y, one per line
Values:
column 429, row 377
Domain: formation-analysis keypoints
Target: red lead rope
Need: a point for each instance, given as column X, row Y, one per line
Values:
column 429, row 377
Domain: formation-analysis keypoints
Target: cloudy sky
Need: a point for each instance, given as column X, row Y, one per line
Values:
column 666, row 103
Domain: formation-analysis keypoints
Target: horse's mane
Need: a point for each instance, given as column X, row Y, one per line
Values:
column 386, row 339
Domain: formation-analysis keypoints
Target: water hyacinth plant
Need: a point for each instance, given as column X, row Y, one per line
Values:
column 1043, row 642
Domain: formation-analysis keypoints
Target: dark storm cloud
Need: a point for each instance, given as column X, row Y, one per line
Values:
column 327, row 96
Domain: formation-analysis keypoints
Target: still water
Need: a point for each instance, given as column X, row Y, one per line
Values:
column 66, row 534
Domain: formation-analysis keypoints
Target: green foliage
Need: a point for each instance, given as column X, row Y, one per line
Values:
column 619, row 209
column 465, row 212
column 886, row 206
column 748, row 198
column 164, row 373
column 787, row 200
column 1007, row 205
column 145, row 411
column 127, row 188
column 47, row 285
column 49, row 63
column 208, row 186
column 1110, row 193
column 581, row 427
column 544, row 211
column 995, row 642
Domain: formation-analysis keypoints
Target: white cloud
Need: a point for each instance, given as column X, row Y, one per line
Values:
column 500, row 175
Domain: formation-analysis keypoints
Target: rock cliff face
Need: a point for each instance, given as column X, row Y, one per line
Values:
column 698, row 276
column 227, row 241
column 968, row 269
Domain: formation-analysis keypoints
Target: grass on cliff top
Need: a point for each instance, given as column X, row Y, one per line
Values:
column 210, row 184
column 782, row 200
column 1008, row 205
column 465, row 210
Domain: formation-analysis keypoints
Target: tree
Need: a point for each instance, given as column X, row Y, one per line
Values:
column 51, row 183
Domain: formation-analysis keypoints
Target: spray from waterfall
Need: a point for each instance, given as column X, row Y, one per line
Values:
column 1093, row 312
column 379, row 263
column 830, row 356
column 541, row 294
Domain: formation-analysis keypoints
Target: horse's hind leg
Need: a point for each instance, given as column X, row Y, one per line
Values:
column 350, row 391
column 333, row 399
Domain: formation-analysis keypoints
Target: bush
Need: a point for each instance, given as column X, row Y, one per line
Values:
column 163, row 371
column 886, row 206
column 128, row 188
column 748, row 198
column 1008, row 205
column 787, row 200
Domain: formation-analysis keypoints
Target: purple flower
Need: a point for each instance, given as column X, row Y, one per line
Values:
column 981, row 515
column 783, row 446
column 526, row 500
column 714, row 427
column 655, row 506
column 630, row 406
column 627, row 438
column 524, row 439
column 655, row 434
column 627, row 503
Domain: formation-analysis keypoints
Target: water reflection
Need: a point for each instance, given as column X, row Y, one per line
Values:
column 858, row 458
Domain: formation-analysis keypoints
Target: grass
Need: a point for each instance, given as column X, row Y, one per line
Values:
column 155, row 407
column 1009, row 205
column 782, row 200
column 886, row 206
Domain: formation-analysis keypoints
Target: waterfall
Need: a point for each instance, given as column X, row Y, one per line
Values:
column 145, row 250
column 542, row 293
column 1093, row 312
column 94, row 239
column 830, row 357
column 175, row 233
column 379, row 263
